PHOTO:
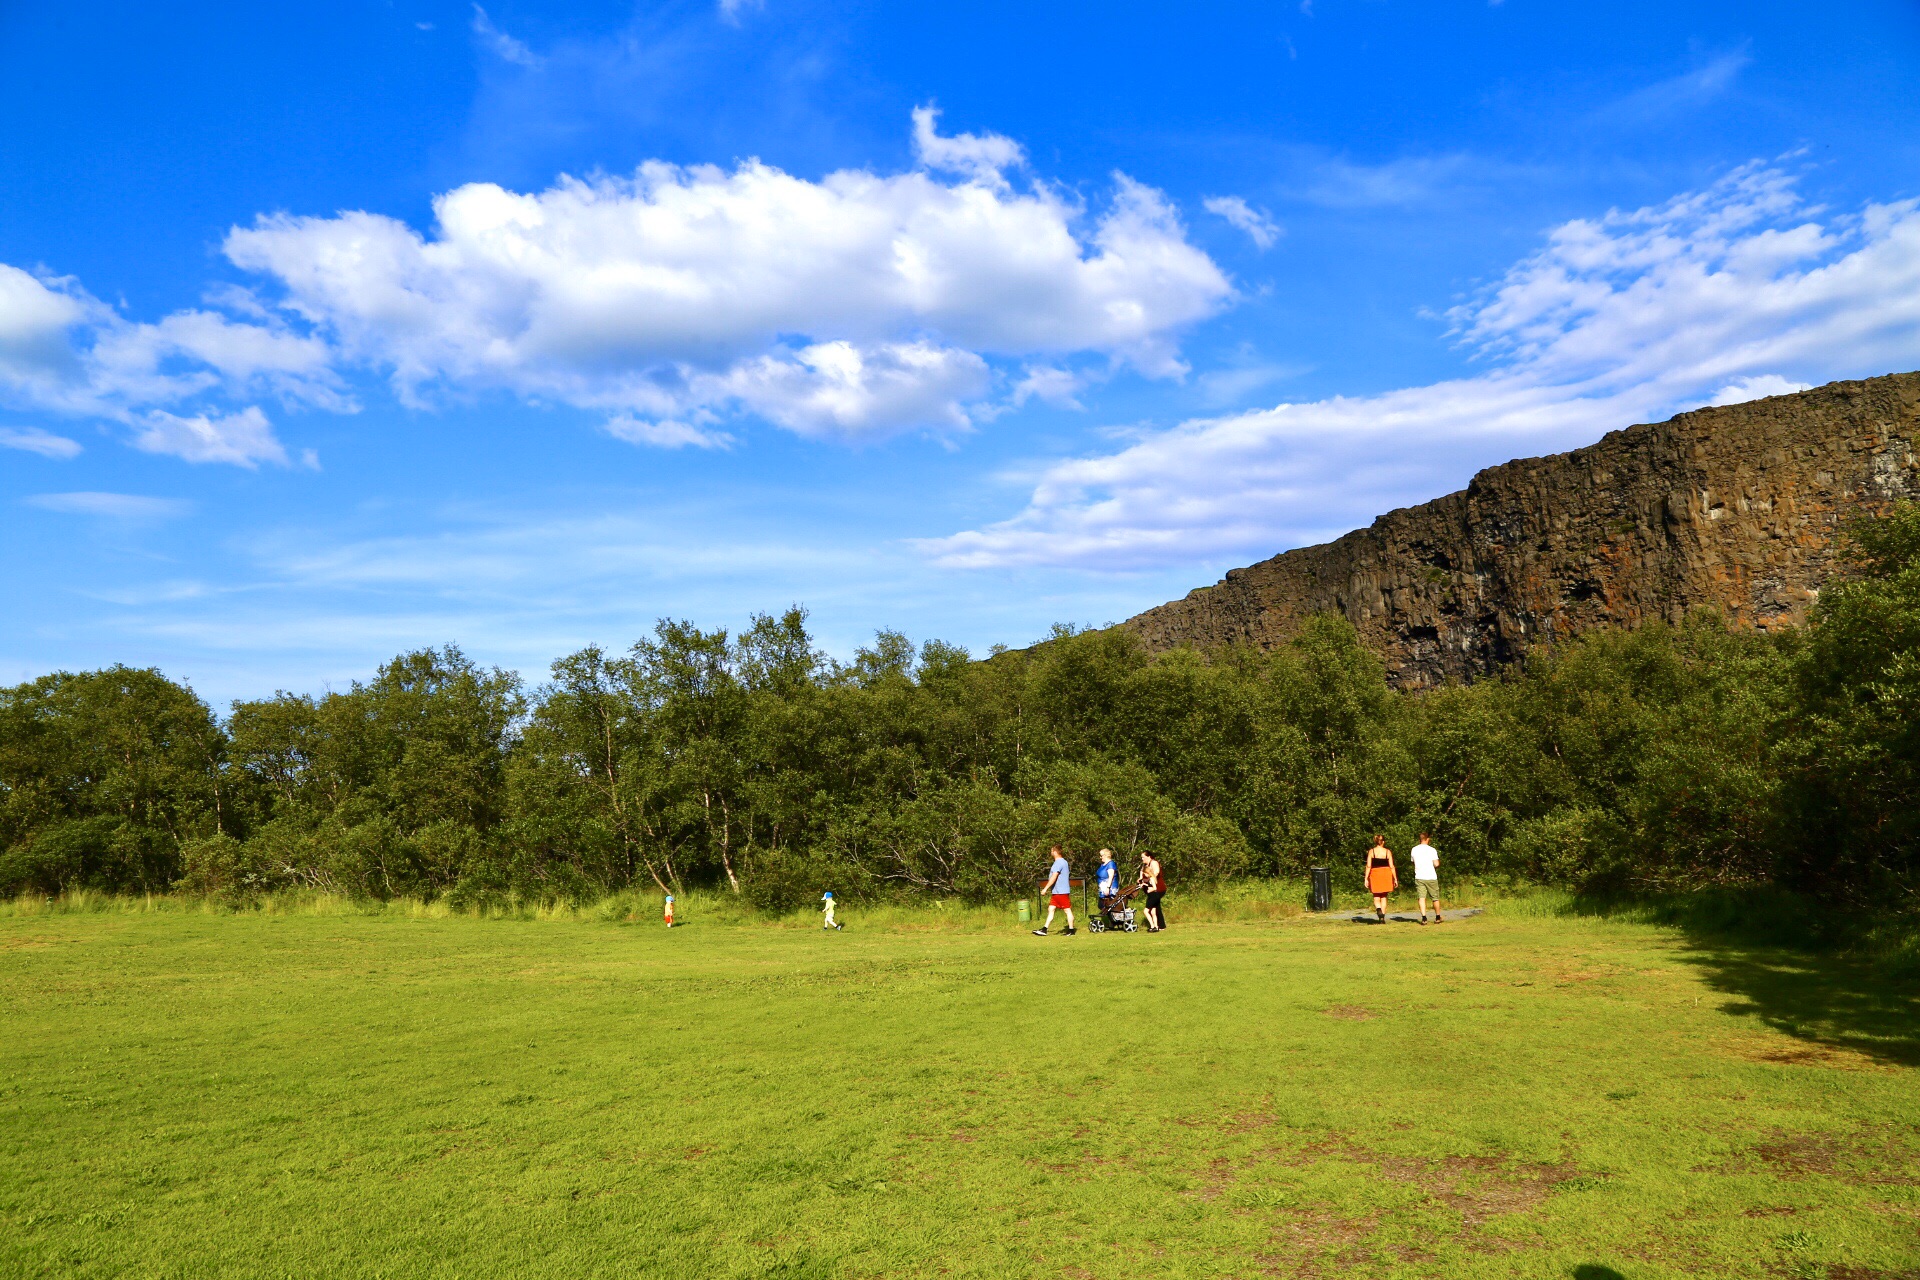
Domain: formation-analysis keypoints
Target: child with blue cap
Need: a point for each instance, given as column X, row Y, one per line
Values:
column 826, row 906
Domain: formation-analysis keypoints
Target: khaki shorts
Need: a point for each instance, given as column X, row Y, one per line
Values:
column 1428, row 889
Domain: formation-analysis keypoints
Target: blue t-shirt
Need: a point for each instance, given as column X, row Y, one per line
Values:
column 1109, row 878
column 1058, row 880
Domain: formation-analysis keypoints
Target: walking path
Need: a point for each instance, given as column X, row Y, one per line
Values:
column 1458, row 913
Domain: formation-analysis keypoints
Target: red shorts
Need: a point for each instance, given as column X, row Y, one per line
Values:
column 1064, row 900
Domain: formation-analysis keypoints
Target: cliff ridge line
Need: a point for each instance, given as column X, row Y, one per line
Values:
column 1734, row 508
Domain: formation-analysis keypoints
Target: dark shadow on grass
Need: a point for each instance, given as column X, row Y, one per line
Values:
column 1782, row 960
column 1594, row 1271
column 1824, row 1000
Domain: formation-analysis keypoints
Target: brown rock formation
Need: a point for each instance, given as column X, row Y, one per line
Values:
column 1732, row 508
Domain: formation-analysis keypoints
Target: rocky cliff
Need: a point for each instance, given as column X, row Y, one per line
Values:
column 1732, row 508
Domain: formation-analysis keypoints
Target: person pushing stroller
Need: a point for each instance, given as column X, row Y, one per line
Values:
column 1107, row 880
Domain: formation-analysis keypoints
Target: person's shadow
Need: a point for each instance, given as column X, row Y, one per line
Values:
column 1594, row 1271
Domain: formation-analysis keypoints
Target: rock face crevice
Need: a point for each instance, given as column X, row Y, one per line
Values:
column 1732, row 508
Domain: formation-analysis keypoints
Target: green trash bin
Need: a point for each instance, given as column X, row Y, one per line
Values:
column 1026, row 911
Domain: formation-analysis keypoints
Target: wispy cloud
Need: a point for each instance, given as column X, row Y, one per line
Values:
column 1718, row 295
column 1679, row 94
column 1336, row 182
column 112, row 506
column 1263, row 230
column 499, row 43
column 36, row 440
column 666, row 433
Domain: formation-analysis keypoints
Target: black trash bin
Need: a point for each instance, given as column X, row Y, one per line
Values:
column 1320, row 896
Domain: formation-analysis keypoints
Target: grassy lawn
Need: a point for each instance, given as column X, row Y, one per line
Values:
column 200, row 1095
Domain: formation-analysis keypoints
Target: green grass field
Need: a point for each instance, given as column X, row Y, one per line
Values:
column 188, row 1094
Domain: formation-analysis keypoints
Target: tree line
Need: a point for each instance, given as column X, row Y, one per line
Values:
column 1670, row 758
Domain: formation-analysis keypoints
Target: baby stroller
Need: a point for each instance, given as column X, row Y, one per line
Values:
column 1116, row 917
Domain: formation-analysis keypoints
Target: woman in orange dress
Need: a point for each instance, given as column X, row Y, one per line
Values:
column 1381, row 875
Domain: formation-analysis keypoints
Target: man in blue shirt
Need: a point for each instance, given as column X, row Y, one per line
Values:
column 1059, row 891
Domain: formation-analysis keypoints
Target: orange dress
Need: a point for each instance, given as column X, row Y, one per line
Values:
column 1380, row 876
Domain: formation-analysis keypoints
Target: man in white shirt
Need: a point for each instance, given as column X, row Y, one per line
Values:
column 1426, row 877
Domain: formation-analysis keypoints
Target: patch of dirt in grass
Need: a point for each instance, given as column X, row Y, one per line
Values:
column 1351, row 1013
column 1478, row 1188
column 1842, row 1272
column 32, row 944
column 1800, row 1053
column 1313, row 1243
column 1772, row 1211
column 1219, row 1176
column 1801, row 1155
column 1798, row 1155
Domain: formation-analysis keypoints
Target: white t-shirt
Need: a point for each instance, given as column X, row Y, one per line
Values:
column 1424, row 858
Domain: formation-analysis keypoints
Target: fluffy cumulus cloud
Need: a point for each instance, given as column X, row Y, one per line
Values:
column 1737, row 291
column 847, row 307
column 244, row 439
column 65, row 352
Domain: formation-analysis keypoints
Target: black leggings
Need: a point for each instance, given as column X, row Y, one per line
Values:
column 1158, row 916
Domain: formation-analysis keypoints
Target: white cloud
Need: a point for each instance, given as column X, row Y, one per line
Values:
column 1057, row 387
column 63, row 351
column 851, row 306
column 1721, row 294
column 114, row 506
column 37, row 362
column 243, row 439
column 981, row 158
column 499, row 43
column 1335, row 182
column 837, row 388
column 1685, row 92
column 666, row 433
column 730, row 9
column 1263, row 230
column 1741, row 390
column 35, row 440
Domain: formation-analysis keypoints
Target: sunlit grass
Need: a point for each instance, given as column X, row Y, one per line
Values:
column 315, row 1087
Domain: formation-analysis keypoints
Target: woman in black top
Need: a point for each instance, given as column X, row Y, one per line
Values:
column 1154, row 881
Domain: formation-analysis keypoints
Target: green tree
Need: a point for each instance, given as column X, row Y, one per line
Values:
column 104, row 776
column 1853, row 740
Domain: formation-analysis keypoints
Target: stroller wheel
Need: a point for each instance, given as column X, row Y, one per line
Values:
column 1096, row 925
column 1132, row 927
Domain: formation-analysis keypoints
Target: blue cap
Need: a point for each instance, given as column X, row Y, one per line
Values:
column 826, row 895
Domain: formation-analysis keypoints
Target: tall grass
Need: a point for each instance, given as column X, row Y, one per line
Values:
column 1237, row 901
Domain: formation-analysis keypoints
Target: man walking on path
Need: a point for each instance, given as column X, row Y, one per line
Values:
column 1059, row 886
column 1426, row 877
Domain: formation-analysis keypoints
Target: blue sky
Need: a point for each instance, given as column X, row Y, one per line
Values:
column 329, row 331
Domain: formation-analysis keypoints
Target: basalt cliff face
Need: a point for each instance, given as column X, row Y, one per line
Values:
column 1733, row 508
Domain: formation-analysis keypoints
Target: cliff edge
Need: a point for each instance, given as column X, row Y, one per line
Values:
column 1732, row 508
